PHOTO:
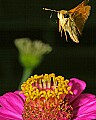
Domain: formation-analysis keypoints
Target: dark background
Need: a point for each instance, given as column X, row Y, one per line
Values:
column 25, row 18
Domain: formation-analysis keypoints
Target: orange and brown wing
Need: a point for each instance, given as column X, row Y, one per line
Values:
column 80, row 15
column 84, row 3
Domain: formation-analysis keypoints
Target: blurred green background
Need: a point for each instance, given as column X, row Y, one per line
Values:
column 25, row 18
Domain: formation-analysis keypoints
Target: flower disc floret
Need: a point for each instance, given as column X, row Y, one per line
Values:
column 46, row 98
column 45, row 86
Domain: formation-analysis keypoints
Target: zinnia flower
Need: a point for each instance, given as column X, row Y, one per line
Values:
column 30, row 55
column 31, row 52
column 49, row 97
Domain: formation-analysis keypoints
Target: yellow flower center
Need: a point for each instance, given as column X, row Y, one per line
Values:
column 46, row 98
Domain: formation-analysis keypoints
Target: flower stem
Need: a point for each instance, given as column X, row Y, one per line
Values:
column 26, row 73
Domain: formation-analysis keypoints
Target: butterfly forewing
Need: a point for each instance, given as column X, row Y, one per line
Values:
column 80, row 15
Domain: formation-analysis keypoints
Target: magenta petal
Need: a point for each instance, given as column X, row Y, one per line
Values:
column 82, row 99
column 87, row 116
column 3, row 118
column 11, row 105
column 12, row 102
column 9, row 115
column 20, row 95
column 77, row 87
column 88, row 109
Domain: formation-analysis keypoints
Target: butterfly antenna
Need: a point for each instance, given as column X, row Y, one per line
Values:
column 50, row 10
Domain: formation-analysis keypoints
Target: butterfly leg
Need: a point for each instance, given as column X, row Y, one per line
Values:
column 66, row 36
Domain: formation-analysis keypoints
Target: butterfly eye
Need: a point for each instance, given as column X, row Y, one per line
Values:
column 66, row 15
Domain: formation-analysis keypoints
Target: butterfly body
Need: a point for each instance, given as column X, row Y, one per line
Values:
column 67, row 24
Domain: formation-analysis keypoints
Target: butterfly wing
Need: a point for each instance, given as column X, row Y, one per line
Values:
column 80, row 15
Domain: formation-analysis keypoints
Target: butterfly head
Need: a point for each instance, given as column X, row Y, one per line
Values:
column 63, row 14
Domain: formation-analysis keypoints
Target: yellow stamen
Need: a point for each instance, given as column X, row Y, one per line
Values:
column 45, row 86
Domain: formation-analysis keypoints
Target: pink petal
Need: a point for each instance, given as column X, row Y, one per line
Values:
column 20, row 95
column 91, row 106
column 87, row 116
column 82, row 100
column 9, row 115
column 3, row 118
column 11, row 105
column 77, row 87
column 86, row 108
